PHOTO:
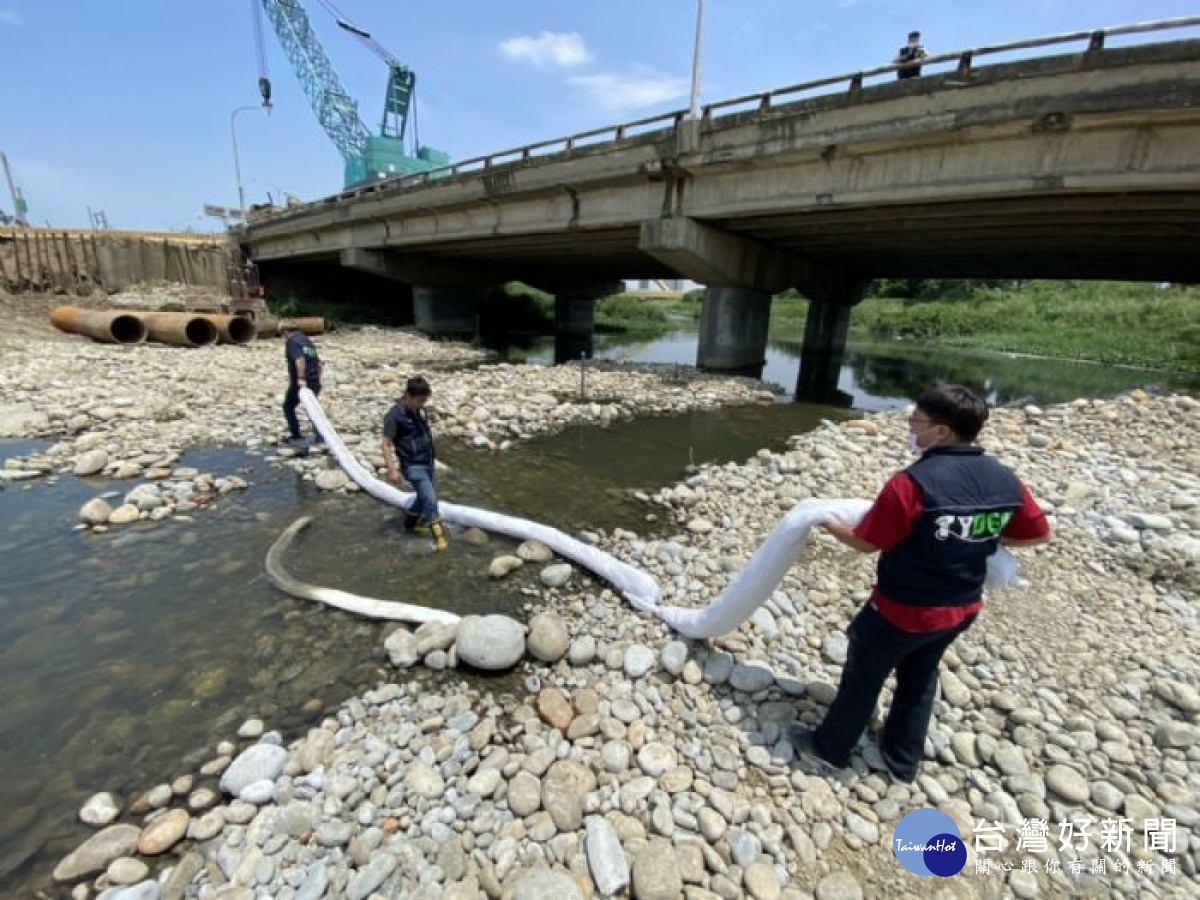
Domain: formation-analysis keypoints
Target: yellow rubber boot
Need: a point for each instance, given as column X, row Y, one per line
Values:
column 440, row 540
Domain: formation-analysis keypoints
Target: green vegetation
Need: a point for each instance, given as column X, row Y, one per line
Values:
column 1114, row 322
column 1111, row 322
column 632, row 313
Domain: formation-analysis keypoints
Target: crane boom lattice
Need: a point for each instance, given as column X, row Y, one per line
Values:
column 335, row 109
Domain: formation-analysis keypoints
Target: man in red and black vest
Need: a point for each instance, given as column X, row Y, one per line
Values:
column 934, row 525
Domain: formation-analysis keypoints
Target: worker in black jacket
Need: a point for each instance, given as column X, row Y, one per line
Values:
column 408, row 452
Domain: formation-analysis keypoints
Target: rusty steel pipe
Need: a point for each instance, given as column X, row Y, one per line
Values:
column 105, row 325
column 232, row 329
column 179, row 329
column 272, row 327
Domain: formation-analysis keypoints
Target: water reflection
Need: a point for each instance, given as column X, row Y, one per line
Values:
column 124, row 655
column 887, row 376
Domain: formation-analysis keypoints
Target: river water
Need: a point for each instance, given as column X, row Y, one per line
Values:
column 126, row 656
column 887, row 376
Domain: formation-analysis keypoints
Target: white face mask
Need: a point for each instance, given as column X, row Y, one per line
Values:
column 913, row 446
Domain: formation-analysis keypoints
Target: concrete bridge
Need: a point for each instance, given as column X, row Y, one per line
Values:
column 1081, row 164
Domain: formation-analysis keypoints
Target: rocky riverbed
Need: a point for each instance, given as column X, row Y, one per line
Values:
column 632, row 763
column 130, row 412
column 629, row 762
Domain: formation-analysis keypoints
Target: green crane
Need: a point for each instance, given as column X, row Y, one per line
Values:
column 369, row 157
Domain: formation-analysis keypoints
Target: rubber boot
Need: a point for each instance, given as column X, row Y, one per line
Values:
column 411, row 519
column 438, row 530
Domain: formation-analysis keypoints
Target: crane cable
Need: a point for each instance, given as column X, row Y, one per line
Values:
column 347, row 24
column 260, row 49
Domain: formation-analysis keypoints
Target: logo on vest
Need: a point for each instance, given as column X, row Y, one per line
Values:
column 973, row 529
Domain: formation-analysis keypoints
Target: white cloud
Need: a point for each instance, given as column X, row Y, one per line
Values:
column 621, row 93
column 11, row 17
column 548, row 47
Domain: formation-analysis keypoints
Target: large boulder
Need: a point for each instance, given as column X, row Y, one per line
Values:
column 491, row 642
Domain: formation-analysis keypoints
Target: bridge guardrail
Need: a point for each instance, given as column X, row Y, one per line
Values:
column 764, row 100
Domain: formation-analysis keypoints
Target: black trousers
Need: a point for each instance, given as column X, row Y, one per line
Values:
column 878, row 648
column 290, row 401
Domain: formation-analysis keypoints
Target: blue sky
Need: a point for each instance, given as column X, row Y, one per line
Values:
column 124, row 105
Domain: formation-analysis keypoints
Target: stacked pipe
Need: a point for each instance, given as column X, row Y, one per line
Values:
column 177, row 328
column 272, row 327
column 232, row 329
column 106, row 326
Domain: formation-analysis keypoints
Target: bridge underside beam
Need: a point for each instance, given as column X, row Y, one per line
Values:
column 414, row 268
column 711, row 256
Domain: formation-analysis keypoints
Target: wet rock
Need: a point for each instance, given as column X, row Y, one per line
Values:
column 557, row 575
column 95, row 512
column 127, row 870
column 491, row 642
column 95, row 854
column 401, row 647
column 100, row 809
column 504, row 565
column 125, row 514
column 164, row 832
column 90, row 463
column 331, row 480
column 257, row 763
column 535, row 552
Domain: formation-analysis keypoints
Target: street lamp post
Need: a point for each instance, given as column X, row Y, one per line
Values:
column 237, row 163
column 695, row 104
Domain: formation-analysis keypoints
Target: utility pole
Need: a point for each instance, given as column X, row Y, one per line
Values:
column 237, row 163
column 18, row 199
column 694, row 112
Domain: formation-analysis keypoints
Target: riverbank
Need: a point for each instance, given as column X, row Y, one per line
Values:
column 634, row 758
column 1105, row 322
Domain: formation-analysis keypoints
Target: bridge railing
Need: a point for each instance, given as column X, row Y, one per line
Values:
column 614, row 134
column 965, row 58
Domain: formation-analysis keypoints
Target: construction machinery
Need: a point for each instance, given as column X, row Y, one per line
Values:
column 369, row 157
column 20, row 209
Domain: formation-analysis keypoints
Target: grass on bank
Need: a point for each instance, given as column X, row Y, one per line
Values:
column 1115, row 322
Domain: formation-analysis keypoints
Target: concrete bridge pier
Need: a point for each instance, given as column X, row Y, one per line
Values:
column 574, row 315
column 824, row 347
column 445, row 312
column 733, row 331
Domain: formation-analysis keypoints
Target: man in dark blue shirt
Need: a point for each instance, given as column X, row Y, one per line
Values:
column 304, row 369
column 408, row 451
column 912, row 52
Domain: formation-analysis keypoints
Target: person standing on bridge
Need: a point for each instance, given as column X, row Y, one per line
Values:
column 304, row 370
column 912, row 52
column 408, row 451
column 934, row 525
